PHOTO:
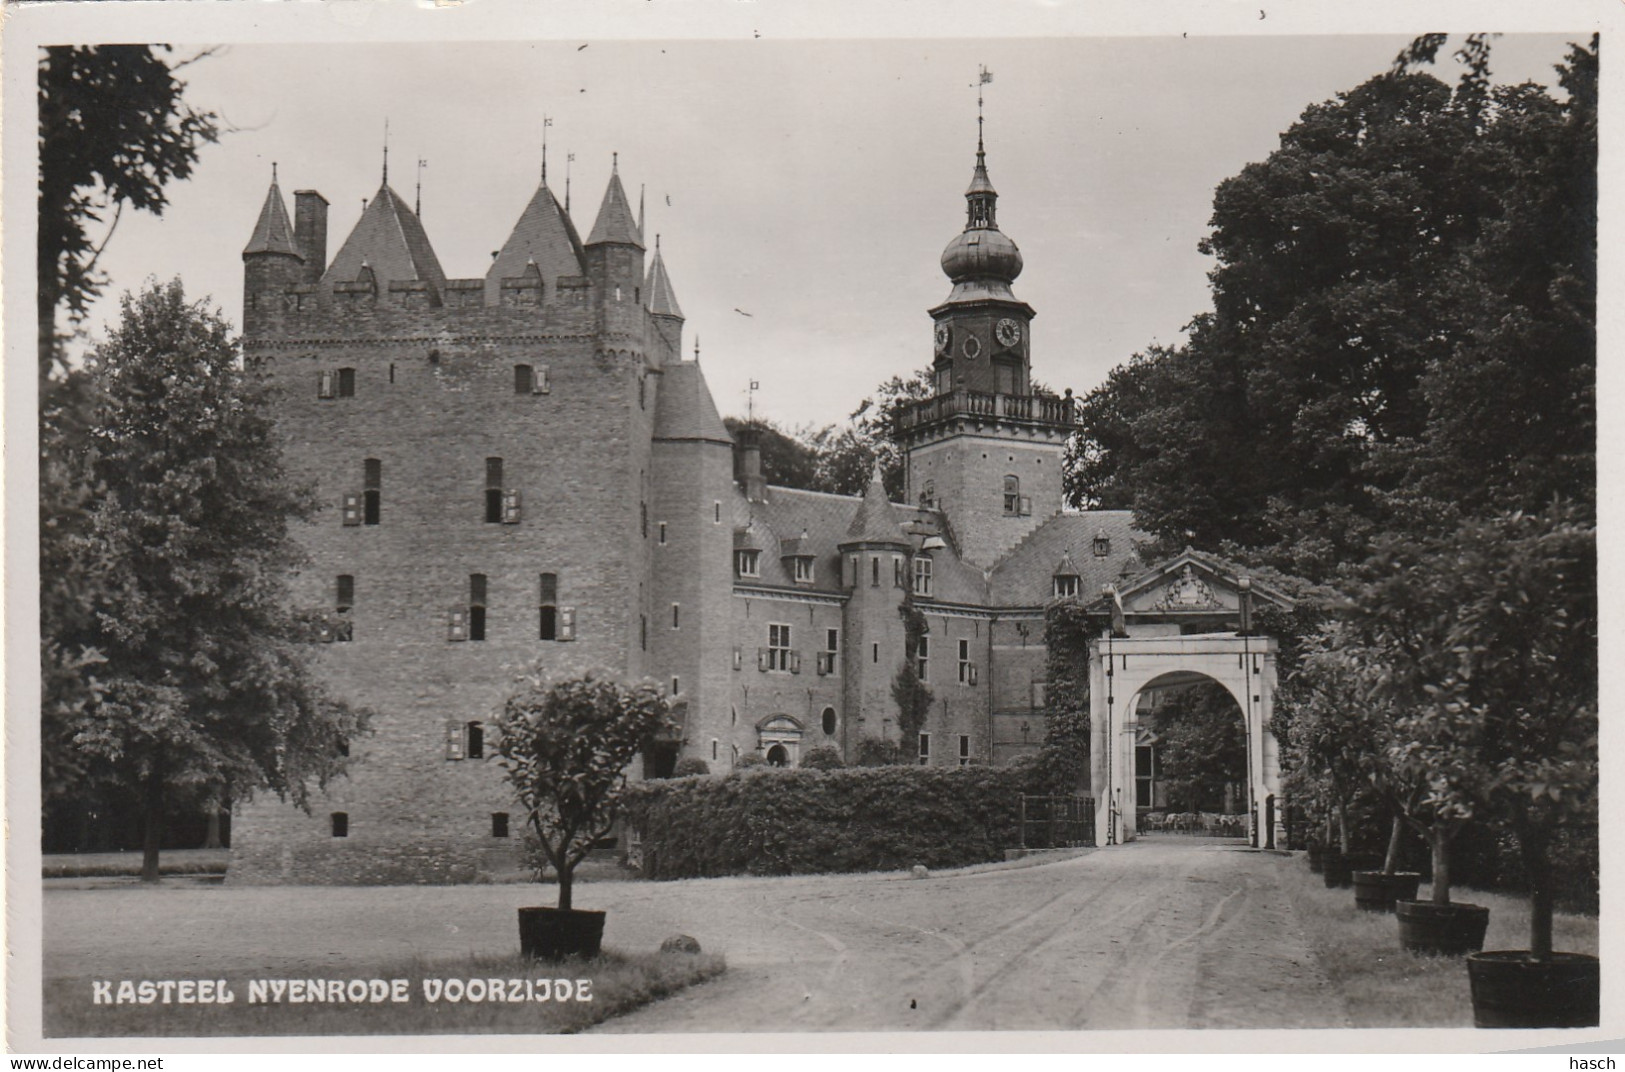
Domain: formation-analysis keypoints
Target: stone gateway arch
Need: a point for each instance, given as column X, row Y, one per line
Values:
column 1183, row 621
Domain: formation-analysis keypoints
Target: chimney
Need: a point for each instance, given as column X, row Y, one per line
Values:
column 310, row 231
column 750, row 444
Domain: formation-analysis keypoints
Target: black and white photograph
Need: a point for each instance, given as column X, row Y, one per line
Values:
column 890, row 533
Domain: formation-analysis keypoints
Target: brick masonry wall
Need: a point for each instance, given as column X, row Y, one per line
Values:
column 967, row 473
column 759, row 694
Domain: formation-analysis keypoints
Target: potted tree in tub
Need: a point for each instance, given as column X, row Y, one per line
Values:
column 1526, row 637
column 566, row 746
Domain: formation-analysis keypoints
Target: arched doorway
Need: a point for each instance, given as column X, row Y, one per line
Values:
column 778, row 739
column 1190, row 758
column 778, row 756
column 1184, row 621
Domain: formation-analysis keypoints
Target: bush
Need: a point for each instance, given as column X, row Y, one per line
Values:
column 689, row 766
column 824, row 757
column 805, row 821
column 748, row 760
column 877, row 752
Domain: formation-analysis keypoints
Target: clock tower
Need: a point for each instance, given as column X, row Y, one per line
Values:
column 984, row 449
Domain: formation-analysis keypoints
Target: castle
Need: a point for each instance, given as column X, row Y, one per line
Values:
column 523, row 468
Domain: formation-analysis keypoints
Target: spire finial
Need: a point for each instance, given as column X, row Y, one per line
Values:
column 569, row 158
column 697, row 352
column 615, row 163
column 417, row 202
column 386, row 150
column 657, row 241
column 640, row 211
column 273, row 173
column 983, row 78
column 546, row 122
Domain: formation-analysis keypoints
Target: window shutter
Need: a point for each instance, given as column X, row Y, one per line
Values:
column 324, row 633
column 762, row 658
column 739, row 659
column 795, row 662
column 510, row 506
column 823, row 663
column 973, row 673
column 567, row 623
column 1026, row 506
column 352, row 508
column 1039, row 694
column 542, row 383
column 324, row 384
column 457, row 625
column 454, row 740
column 344, row 630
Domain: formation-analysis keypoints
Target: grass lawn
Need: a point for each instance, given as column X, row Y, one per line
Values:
column 1384, row 985
column 619, row 983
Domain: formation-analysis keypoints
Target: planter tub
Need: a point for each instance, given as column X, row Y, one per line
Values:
column 1377, row 892
column 1451, row 929
column 1510, row 990
column 1317, row 856
column 1336, row 869
column 553, row 934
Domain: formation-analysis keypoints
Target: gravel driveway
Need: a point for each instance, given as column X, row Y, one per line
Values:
column 1148, row 935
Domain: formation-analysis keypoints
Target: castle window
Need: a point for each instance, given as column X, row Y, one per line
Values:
column 346, row 383
column 474, row 734
column 372, row 491
column 876, row 656
column 922, row 656
column 340, row 822
column 964, row 749
column 643, row 632
column 643, row 392
column 617, row 293
column 964, row 663
column 928, row 495
column 1012, row 497
column 676, row 686
column 643, row 519
column 662, row 531
column 829, row 722
column 922, row 575
column 1066, row 585
column 675, row 609
column 897, row 571
column 748, row 563
column 874, row 571
column 803, row 569
column 499, row 824
column 392, row 372
column 778, row 653
column 476, row 606
column 716, row 508
column 346, row 600
column 524, row 379
column 1103, row 544
column 713, row 750
column 925, row 749
column 549, row 604
column 493, row 491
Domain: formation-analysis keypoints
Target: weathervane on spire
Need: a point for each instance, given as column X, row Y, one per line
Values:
column 984, row 77
column 417, row 200
column 273, row 173
column 386, row 150
column 546, row 122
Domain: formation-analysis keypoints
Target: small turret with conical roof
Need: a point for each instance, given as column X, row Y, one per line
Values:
column 666, row 314
column 271, row 261
column 614, row 259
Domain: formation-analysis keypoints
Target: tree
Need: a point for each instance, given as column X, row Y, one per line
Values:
column 114, row 131
column 196, row 681
column 1381, row 282
column 911, row 695
column 565, row 746
column 1201, row 743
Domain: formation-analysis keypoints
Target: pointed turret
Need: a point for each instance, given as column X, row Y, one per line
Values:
column 545, row 236
column 615, row 221
column 661, row 299
column 273, row 233
column 391, row 241
column 876, row 519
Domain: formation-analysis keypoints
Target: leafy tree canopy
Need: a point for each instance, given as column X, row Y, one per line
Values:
column 173, row 662
column 114, row 131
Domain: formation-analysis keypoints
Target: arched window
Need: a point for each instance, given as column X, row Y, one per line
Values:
column 829, row 721
column 1012, row 496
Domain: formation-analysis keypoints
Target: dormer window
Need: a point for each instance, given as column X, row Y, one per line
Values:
column 1103, row 544
column 803, row 569
column 1066, row 587
column 748, row 563
column 922, row 575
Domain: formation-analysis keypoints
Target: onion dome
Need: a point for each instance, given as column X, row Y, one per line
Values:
column 981, row 252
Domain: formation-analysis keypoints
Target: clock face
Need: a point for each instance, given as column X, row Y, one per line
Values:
column 1008, row 332
column 972, row 346
column 944, row 335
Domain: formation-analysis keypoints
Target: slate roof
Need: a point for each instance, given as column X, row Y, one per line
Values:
column 273, row 233
column 391, row 241
column 875, row 520
column 545, row 236
column 684, row 409
column 1024, row 577
column 662, row 299
column 615, row 221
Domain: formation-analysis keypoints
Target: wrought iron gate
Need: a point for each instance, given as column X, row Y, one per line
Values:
column 1064, row 822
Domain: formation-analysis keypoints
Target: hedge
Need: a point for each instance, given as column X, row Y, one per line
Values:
column 788, row 822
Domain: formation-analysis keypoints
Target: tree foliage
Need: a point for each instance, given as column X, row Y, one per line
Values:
column 173, row 663
column 565, row 746
column 1402, row 330
column 1201, row 745
column 114, row 131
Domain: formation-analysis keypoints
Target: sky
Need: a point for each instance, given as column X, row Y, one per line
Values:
column 803, row 189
